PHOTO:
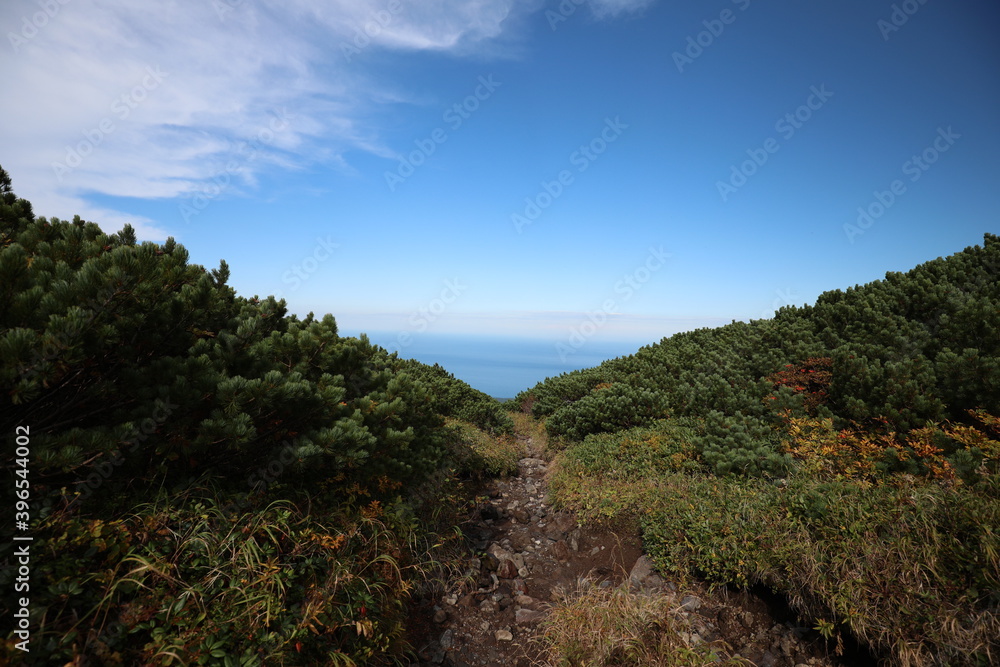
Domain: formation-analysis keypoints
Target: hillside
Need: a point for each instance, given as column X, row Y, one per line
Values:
column 206, row 479
column 843, row 454
column 202, row 478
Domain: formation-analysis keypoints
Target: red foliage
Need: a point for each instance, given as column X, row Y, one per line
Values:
column 811, row 378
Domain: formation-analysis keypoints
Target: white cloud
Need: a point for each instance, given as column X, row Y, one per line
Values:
column 153, row 100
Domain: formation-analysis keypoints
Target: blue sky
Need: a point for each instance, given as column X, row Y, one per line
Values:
column 621, row 171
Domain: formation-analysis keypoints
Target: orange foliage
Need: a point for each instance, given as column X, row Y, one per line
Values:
column 811, row 378
column 853, row 453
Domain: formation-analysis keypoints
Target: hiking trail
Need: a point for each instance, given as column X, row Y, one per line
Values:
column 525, row 556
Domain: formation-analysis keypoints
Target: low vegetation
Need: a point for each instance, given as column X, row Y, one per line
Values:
column 613, row 626
column 216, row 482
column 212, row 480
column 846, row 455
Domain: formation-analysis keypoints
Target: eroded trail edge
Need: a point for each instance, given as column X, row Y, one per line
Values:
column 526, row 558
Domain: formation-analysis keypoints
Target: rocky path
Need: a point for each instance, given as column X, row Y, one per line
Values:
column 525, row 556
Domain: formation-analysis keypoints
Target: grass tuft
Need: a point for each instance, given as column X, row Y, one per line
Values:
column 600, row 627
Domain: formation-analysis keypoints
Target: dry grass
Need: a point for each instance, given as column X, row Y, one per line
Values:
column 884, row 562
column 596, row 627
column 492, row 454
column 527, row 426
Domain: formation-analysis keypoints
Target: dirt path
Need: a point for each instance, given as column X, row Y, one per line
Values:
column 525, row 555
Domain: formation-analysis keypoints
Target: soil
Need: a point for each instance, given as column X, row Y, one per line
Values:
column 523, row 555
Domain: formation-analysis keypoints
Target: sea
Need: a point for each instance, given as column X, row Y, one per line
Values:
column 503, row 367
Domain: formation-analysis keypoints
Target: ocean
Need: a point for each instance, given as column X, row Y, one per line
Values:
column 502, row 367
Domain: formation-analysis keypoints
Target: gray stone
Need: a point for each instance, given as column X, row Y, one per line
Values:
column 690, row 603
column 641, row 571
column 507, row 569
column 440, row 616
column 560, row 526
column 498, row 551
column 574, row 540
column 690, row 638
column 447, row 639
column 503, row 636
column 527, row 616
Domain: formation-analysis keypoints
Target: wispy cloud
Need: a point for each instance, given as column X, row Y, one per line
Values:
column 605, row 8
column 86, row 116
